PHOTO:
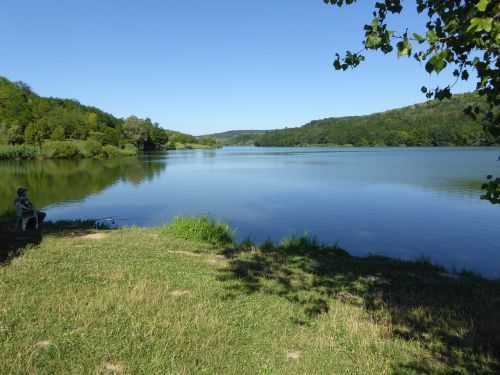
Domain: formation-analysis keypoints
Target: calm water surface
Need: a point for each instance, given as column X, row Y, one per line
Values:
column 401, row 202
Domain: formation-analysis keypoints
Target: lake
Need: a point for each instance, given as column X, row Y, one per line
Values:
column 400, row 202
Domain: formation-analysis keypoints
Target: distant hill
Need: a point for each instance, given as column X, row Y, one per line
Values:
column 26, row 117
column 433, row 123
column 238, row 137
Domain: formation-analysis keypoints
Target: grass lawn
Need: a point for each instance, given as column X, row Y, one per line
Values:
column 146, row 301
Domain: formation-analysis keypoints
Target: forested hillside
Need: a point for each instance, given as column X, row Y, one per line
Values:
column 433, row 123
column 27, row 118
column 238, row 137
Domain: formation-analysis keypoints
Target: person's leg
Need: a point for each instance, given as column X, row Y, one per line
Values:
column 31, row 224
column 41, row 216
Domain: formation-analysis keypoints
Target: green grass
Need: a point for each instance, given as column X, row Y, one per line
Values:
column 70, row 149
column 19, row 152
column 145, row 301
column 200, row 228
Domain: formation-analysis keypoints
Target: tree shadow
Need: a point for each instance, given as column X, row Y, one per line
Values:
column 454, row 316
column 14, row 241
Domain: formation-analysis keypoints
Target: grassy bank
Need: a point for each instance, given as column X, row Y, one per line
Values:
column 190, row 146
column 185, row 299
column 73, row 149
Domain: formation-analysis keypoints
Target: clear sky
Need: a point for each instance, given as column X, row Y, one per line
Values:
column 207, row 66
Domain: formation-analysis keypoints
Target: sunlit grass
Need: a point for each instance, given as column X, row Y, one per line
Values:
column 201, row 228
column 19, row 152
column 145, row 301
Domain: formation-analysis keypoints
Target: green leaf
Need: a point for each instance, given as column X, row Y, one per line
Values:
column 482, row 5
column 486, row 24
column 420, row 38
column 429, row 67
column 431, row 36
column 436, row 63
column 475, row 25
column 373, row 41
column 404, row 48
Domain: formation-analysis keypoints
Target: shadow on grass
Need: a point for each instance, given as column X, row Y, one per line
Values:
column 454, row 317
column 13, row 241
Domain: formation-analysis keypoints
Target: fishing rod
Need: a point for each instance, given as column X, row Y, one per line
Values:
column 113, row 220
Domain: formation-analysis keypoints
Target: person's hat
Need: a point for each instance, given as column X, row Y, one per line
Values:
column 21, row 190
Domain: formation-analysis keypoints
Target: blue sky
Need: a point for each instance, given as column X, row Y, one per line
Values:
column 207, row 66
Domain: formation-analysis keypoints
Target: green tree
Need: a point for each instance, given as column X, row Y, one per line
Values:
column 58, row 134
column 463, row 35
column 135, row 131
column 208, row 140
column 37, row 132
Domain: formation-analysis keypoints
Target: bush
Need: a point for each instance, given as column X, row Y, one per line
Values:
column 111, row 151
column 129, row 149
column 92, row 148
column 201, row 228
column 60, row 150
column 114, row 152
column 19, row 152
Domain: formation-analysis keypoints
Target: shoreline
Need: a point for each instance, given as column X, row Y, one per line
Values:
column 74, row 150
column 75, row 295
column 8, row 231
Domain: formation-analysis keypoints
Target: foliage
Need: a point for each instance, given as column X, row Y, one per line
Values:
column 135, row 131
column 201, row 228
column 111, row 151
column 463, row 35
column 28, row 118
column 492, row 187
column 19, row 152
column 237, row 137
column 208, row 140
column 434, row 123
column 60, row 150
column 92, row 148
column 177, row 137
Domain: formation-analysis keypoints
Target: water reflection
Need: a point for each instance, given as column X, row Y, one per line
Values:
column 400, row 202
column 56, row 181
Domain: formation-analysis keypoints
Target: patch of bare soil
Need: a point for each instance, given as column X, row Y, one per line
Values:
column 187, row 253
column 95, row 236
column 293, row 354
column 179, row 293
column 113, row 367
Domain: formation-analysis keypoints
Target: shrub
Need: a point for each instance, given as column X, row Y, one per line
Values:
column 304, row 244
column 60, row 150
column 92, row 148
column 129, row 149
column 111, row 151
column 201, row 228
column 19, row 152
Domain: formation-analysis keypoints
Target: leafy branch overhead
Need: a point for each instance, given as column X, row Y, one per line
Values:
column 461, row 34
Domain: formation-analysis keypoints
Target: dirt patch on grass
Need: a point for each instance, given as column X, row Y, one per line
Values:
column 187, row 253
column 44, row 343
column 293, row 354
column 95, row 236
column 180, row 293
column 113, row 367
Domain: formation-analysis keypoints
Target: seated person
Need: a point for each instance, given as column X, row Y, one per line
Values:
column 28, row 209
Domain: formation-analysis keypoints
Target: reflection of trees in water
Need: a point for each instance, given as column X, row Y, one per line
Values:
column 52, row 181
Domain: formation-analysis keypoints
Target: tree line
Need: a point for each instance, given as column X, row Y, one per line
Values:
column 433, row 123
column 27, row 118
